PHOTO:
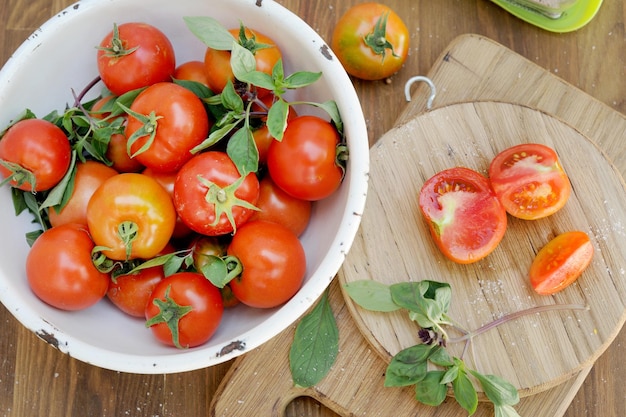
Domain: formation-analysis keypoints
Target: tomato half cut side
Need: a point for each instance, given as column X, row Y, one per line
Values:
column 464, row 216
column 529, row 181
column 560, row 262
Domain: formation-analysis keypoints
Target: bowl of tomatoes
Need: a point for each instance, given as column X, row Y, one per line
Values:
column 195, row 212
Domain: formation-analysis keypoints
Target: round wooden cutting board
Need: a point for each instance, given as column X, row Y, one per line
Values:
column 535, row 352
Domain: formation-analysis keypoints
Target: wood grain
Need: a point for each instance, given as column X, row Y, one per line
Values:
column 37, row 380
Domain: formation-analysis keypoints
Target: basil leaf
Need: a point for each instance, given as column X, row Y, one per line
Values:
column 408, row 366
column 242, row 149
column 499, row 391
column 62, row 192
column 505, row 411
column 210, row 32
column 301, row 79
column 315, row 346
column 430, row 390
column 242, row 61
column 441, row 357
column 465, row 393
column 277, row 119
column 371, row 295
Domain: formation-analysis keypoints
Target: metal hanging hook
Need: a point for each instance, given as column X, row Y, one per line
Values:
column 413, row 80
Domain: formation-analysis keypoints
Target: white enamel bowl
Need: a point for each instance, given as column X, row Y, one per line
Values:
column 59, row 57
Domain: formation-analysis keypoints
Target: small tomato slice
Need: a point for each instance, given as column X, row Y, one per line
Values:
column 529, row 181
column 465, row 218
column 560, row 262
column 184, row 310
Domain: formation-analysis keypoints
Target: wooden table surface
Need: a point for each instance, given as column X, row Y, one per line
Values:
column 37, row 380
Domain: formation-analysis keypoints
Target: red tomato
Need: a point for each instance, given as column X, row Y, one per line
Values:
column 210, row 195
column 178, row 123
column 371, row 41
column 560, row 262
column 167, row 180
column 529, row 181
column 89, row 176
column 131, row 293
column 277, row 206
column 117, row 153
column 35, row 153
column 465, row 218
column 137, row 56
column 273, row 262
column 304, row 164
column 192, row 71
column 185, row 310
column 60, row 271
column 217, row 63
column 132, row 215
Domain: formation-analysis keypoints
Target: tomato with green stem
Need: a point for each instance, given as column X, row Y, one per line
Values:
column 308, row 163
column 184, row 310
column 464, row 216
column 560, row 262
column 88, row 177
column 60, row 270
column 371, row 41
column 212, row 197
column 273, row 264
column 218, row 65
column 165, row 122
column 35, row 155
column 135, row 55
column 529, row 181
column 131, row 216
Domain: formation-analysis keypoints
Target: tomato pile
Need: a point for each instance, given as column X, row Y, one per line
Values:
column 467, row 212
column 178, row 191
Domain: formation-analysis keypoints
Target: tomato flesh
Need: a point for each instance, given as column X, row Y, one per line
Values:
column 529, row 181
column 465, row 218
column 561, row 262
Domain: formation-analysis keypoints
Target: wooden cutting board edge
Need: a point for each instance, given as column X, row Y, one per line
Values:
column 252, row 386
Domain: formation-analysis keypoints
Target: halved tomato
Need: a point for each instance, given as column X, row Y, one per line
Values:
column 529, row 181
column 465, row 218
column 560, row 262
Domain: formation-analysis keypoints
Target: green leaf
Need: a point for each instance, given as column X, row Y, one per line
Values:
column 215, row 269
column 230, row 99
column 410, row 295
column 499, row 391
column 242, row 61
column 62, row 192
column 505, row 411
column 210, row 32
column 441, row 357
column 371, row 295
column 331, row 108
column 315, row 346
column 259, row 79
column 242, row 149
column 430, row 390
column 408, row 366
column 277, row 119
column 465, row 393
column 215, row 136
column 301, row 79
column 200, row 90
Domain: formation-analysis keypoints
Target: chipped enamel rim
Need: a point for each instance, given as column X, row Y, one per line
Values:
column 101, row 335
